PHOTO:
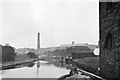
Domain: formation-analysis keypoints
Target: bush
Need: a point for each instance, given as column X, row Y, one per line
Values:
column 32, row 55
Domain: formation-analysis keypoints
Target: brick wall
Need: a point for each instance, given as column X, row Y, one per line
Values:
column 109, row 29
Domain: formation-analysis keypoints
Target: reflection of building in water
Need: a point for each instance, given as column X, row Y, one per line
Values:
column 38, row 66
column 37, row 71
column 62, row 64
column 31, row 64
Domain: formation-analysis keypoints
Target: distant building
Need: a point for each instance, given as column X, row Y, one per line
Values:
column 80, row 52
column 73, row 42
column 109, row 30
column 25, row 50
column 19, row 57
column 90, row 46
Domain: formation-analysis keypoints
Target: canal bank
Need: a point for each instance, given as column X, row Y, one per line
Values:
column 90, row 64
column 10, row 65
column 86, row 69
column 89, row 72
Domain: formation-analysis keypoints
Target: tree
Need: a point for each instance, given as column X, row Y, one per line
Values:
column 32, row 55
column 8, row 53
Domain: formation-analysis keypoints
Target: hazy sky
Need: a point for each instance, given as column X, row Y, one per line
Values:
column 58, row 21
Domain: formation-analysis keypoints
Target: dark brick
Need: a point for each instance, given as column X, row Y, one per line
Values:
column 109, row 29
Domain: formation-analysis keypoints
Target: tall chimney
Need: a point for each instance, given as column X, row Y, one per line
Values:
column 38, row 41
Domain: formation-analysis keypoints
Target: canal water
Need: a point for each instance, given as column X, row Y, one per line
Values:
column 46, row 70
column 51, row 69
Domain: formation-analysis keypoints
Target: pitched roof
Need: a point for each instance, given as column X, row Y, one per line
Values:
column 81, row 47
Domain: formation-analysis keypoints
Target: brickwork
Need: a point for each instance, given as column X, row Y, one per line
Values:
column 109, row 29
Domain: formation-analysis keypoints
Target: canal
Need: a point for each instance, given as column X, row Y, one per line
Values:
column 52, row 69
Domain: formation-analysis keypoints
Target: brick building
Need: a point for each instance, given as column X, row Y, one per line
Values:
column 109, row 29
column 80, row 52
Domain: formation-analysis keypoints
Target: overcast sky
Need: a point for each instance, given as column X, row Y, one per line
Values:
column 58, row 22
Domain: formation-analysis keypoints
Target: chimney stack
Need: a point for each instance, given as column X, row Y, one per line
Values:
column 38, row 41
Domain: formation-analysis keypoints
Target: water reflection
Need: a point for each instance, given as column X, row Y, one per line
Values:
column 40, row 69
column 38, row 64
column 63, row 64
column 56, row 62
column 31, row 64
column 37, row 71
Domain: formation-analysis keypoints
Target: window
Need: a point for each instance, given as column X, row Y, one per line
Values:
column 108, row 41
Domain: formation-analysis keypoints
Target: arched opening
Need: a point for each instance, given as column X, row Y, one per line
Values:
column 108, row 41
